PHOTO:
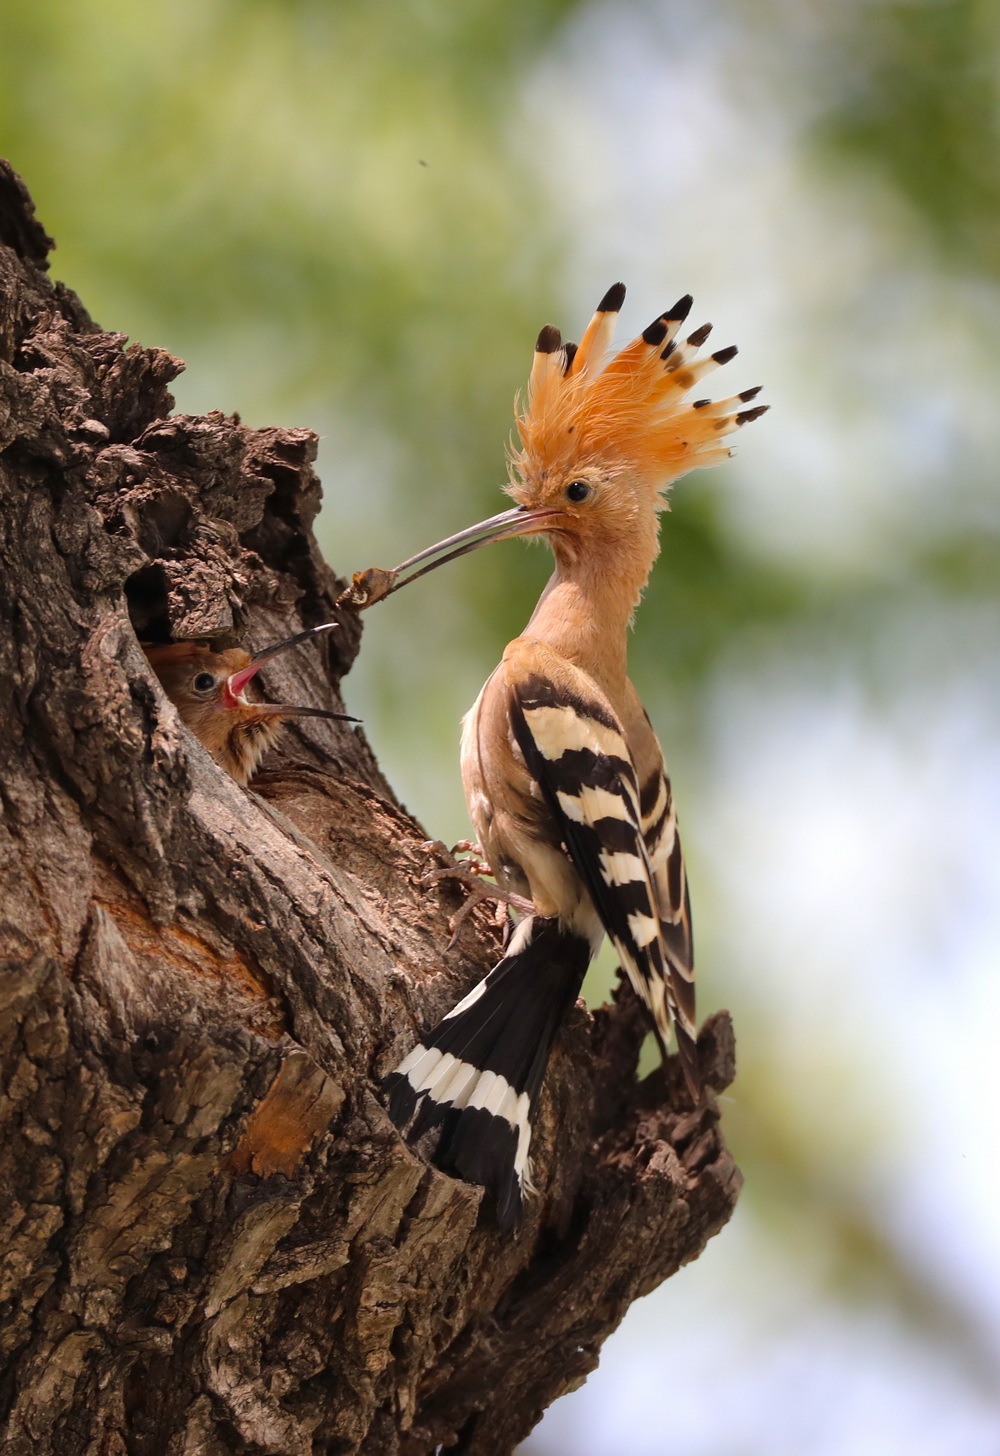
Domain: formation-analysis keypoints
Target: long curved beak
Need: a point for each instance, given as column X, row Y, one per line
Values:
column 517, row 522
column 237, row 681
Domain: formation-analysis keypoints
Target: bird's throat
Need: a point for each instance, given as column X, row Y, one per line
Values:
column 585, row 617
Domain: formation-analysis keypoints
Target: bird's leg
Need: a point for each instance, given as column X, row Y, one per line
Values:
column 471, row 872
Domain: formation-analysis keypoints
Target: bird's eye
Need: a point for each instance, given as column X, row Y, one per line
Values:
column 204, row 682
column 578, row 490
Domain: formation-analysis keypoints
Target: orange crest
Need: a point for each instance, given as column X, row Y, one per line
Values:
column 630, row 414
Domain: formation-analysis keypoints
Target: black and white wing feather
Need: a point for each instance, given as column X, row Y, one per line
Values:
column 575, row 749
column 666, row 858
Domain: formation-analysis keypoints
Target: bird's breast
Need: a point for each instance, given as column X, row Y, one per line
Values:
column 515, row 826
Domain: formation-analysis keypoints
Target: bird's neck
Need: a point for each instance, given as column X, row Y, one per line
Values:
column 584, row 614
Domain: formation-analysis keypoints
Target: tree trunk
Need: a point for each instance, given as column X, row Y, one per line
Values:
column 213, row 1239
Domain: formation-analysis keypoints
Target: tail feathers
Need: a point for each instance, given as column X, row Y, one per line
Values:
column 479, row 1073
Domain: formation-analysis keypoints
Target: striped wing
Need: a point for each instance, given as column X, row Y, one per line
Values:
column 663, row 846
column 575, row 749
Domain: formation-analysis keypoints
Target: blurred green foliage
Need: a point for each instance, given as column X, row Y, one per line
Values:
column 318, row 191
column 922, row 105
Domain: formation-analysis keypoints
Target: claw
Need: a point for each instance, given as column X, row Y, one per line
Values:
column 479, row 894
column 471, row 872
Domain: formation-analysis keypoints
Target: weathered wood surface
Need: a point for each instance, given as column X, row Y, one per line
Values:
column 213, row 1241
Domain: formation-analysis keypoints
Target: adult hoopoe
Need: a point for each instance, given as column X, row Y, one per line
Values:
column 209, row 690
column 563, row 774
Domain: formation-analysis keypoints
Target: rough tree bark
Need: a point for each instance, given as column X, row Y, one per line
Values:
column 213, row 1239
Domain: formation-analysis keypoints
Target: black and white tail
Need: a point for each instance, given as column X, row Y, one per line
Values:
column 479, row 1073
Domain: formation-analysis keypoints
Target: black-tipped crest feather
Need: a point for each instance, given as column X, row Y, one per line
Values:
column 549, row 340
column 613, row 299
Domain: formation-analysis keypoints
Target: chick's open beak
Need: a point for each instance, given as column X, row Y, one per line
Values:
column 237, row 681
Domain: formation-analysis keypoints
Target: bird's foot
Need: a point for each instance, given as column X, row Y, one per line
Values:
column 473, row 863
column 471, row 871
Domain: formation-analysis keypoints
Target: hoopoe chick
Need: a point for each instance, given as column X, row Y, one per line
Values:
column 563, row 774
column 209, row 690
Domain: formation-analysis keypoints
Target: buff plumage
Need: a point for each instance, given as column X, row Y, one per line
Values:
column 564, row 777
